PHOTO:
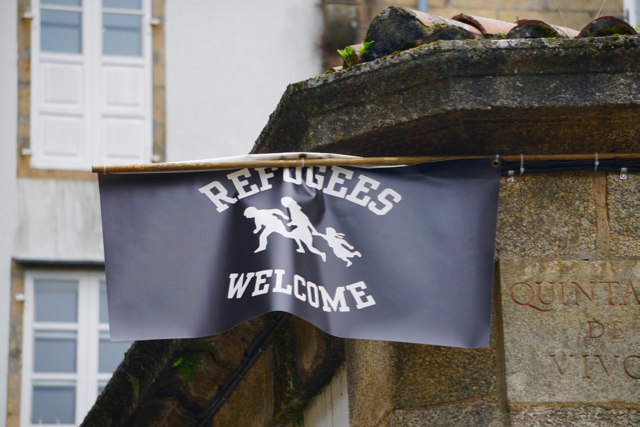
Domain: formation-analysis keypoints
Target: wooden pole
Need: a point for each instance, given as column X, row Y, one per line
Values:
column 357, row 161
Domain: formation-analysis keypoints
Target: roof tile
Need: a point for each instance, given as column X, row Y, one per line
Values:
column 430, row 20
column 398, row 28
column 485, row 25
column 607, row 26
column 535, row 29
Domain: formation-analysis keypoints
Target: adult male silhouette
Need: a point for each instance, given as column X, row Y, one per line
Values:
column 267, row 218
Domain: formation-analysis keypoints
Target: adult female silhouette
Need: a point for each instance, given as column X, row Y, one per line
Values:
column 304, row 230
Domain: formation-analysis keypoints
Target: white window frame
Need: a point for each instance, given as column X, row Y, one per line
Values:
column 631, row 11
column 91, row 112
column 86, row 378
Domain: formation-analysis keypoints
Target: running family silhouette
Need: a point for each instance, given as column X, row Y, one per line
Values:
column 269, row 221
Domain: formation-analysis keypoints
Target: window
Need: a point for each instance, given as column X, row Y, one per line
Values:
column 91, row 88
column 67, row 355
column 632, row 12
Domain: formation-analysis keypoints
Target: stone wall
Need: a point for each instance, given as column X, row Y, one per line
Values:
column 564, row 325
column 566, row 334
column 570, row 299
column 15, row 346
column 158, row 81
column 398, row 384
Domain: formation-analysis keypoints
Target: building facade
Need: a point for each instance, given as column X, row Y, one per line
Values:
column 86, row 84
column 135, row 81
column 564, row 336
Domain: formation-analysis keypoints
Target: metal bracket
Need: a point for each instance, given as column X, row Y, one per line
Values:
column 623, row 173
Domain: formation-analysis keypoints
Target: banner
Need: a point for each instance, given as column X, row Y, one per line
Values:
column 393, row 253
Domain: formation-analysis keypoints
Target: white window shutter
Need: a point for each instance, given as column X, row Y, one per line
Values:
column 59, row 103
column 89, row 108
column 125, row 101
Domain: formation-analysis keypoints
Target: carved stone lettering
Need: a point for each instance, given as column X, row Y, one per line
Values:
column 541, row 296
column 572, row 331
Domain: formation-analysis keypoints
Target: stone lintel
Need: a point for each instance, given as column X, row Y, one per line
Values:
column 470, row 97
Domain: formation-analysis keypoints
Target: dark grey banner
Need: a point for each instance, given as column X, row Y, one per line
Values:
column 397, row 254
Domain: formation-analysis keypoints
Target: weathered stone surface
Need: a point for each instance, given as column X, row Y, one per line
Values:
column 146, row 389
column 331, row 406
column 546, row 215
column 623, row 202
column 310, row 348
column 482, row 412
column 394, row 29
column 370, row 382
column 407, row 384
column 470, row 97
column 576, row 416
column 306, row 361
column 432, row 375
column 251, row 404
column 572, row 331
column 14, row 374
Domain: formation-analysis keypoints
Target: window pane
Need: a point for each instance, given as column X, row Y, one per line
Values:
column 63, row 2
column 55, row 351
column 101, row 386
column 122, row 34
column 61, row 31
column 123, row 4
column 53, row 405
column 111, row 354
column 104, row 308
column 56, row 300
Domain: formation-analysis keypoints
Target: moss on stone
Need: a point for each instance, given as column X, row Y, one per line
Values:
column 533, row 30
column 296, row 385
column 135, row 385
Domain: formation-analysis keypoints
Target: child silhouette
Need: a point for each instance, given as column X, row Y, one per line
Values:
column 340, row 246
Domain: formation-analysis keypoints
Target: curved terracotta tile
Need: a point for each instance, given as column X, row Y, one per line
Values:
column 430, row 20
column 486, row 25
column 607, row 26
column 569, row 31
column 540, row 29
column 450, row 32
